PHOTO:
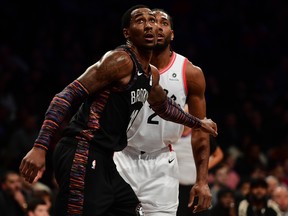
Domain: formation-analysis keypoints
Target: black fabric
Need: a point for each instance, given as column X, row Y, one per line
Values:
column 106, row 193
column 263, row 212
column 106, row 116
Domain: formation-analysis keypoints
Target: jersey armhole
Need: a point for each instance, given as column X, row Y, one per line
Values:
column 184, row 76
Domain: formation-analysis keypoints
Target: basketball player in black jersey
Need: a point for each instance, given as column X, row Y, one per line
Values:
column 108, row 95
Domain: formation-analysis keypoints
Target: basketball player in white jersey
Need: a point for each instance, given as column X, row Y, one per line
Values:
column 187, row 168
column 149, row 163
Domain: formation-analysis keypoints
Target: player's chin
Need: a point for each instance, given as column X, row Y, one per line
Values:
column 149, row 46
column 160, row 41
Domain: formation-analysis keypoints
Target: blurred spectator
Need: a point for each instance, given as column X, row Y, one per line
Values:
column 258, row 202
column 216, row 153
column 233, row 177
column 280, row 196
column 242, row 190
column 44, row 192
column 225, row 205
column 220, row 174
column 272, row 183
column 12, row 199
column 37, row 207
column 278, row 172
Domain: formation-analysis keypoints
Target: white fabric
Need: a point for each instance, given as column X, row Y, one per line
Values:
column 187, row 167
column 149, row 132
column 152, row 177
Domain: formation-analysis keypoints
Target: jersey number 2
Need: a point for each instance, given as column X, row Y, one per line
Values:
column 150, row 118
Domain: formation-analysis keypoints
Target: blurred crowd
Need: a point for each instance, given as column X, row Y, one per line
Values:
column 241, row 46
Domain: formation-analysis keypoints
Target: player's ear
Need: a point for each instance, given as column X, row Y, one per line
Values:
column 126, row 33
column 172, row 35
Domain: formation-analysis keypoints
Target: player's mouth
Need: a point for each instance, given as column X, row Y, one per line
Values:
column 160, row 37
column 149, row 36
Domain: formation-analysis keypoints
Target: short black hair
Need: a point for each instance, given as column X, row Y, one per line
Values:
column 34, row 202
column 223, row 191
column 5, row 174
column 258, row 182
column 126, row 18
column 169, row 16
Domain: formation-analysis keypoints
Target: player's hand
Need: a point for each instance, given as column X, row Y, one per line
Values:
column 200, row 197
column 209, row 126
column 33, row 165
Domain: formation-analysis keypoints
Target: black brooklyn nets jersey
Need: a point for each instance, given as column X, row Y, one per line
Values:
column 104, row 118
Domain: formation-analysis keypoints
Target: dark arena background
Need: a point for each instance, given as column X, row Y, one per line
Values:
column 241, row 46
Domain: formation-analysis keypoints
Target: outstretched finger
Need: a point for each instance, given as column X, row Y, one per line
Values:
column 215, row 133
column 215, row 127
column 191, row 200
column 215, row 130
column 39, row 175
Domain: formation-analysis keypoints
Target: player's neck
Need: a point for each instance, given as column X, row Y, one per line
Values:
column 162, row 58
column 144, row 56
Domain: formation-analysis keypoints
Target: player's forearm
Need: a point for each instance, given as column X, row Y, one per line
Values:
column 201, row 150
column 171, row 111
column 57, row 111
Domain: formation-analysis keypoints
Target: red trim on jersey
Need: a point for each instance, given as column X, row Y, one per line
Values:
column 170, row 148
column 169, row 65
column 184, row 76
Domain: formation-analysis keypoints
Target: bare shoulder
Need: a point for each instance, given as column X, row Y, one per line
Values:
column 115, row 58
column 194, row 71
column 113, row 67
column 196, row 86
column 155, row 74
column 195, row 79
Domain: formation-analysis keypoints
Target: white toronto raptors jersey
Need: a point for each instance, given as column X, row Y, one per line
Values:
column 149, row 132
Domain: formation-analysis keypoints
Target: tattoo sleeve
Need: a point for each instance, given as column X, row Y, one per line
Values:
column 60, row 105
column 171, row 111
